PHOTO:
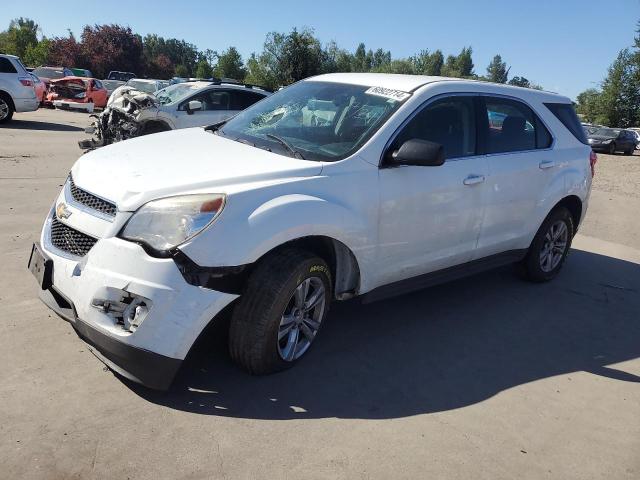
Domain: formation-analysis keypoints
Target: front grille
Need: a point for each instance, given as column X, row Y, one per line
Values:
column 70, row 240
column 91, row 201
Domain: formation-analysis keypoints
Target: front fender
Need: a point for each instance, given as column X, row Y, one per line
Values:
column 242, row 237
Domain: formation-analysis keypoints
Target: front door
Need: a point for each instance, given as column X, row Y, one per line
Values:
column 430, row 217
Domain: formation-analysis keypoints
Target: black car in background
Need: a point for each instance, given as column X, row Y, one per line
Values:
column 612, row 140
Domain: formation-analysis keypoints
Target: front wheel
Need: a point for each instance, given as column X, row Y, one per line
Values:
column 612, row 149
column 549, row 247
column 284, row 304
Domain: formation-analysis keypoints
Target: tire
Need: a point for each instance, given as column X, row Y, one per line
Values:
column 6, row 108
column 629, row 151
column 266, row 310
column 612, row 149
column 536, row 266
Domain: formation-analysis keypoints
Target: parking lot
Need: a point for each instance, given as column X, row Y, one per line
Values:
column 486, row 378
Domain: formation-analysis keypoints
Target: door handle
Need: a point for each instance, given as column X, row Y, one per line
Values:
column 547, row 164
column 473, row 179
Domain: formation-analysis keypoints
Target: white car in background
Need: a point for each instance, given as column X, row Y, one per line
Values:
column 17, row 89
column 338, row 186
column 196, row 104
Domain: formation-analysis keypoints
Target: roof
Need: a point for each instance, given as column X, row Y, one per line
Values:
column 409, row 83
column 405, row 83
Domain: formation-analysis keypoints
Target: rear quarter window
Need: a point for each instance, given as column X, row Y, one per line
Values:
column 6, row 66
column 567, row 115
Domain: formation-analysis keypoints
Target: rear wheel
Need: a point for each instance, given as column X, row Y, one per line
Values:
column 629, row 151
column 550, row 246
column 6, row 108
column 278, row 316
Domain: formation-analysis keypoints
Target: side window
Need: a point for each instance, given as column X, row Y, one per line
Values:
column 98, row 84
column 6, row 66
column 211, row 100
column 513, row 127
column 241, row 100
column 449, row 121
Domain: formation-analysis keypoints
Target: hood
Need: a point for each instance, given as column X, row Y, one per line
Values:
column 136, row 171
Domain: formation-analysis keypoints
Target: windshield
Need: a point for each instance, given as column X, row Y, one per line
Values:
column 175, row 93
column 146, row 87
column 48, row 73
column 315, row 120
column 606, row 132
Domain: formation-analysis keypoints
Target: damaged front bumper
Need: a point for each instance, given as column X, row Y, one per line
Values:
column 136, row 312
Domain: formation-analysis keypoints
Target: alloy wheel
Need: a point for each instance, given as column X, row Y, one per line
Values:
column 4, row 109
column 301, row 319
column 554, row 246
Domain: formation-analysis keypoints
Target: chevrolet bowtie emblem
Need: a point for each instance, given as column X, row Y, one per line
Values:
column 62, row 211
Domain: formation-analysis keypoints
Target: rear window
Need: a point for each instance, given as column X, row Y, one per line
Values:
column 567, row 115
column 6, row 66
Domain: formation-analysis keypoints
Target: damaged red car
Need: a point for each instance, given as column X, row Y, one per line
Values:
column 78, row 90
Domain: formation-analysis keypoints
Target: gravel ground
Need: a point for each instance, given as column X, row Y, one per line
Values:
column 485, row 378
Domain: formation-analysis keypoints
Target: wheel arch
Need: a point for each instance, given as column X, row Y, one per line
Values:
column 155, row 123
column 573, row 203
column 8, row 97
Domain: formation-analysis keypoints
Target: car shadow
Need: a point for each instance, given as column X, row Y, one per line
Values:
column 438, row 349
column 36, row 125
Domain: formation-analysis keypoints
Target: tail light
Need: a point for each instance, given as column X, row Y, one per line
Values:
column 27, row 82
column 593, row 159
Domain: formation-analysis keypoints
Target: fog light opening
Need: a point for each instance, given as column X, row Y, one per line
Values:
column 128, row 310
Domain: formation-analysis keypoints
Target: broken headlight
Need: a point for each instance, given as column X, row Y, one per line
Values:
column 168, row 222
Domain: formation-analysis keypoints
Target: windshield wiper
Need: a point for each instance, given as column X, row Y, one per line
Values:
column 286, row 145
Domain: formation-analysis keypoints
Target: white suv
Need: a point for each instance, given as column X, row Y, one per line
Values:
column 17, row 93
column 338, row 186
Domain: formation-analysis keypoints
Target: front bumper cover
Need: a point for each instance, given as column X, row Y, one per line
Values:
column 137, row 364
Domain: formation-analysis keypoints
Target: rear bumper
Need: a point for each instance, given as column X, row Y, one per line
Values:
column 26, row 104
column 139, row 365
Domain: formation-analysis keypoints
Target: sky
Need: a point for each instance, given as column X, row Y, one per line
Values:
column 564, row 45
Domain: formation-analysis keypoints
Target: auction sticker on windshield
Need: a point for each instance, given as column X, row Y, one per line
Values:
column 398, row 95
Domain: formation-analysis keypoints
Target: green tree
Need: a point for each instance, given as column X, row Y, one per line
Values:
column 21, row 34
column 520, row 82
column 37, row 54
column 182, row 71
column 203, row 69
column 619, row 98
column 426, row 63
column 589, row 105
column 497, row 70
column 230, row 65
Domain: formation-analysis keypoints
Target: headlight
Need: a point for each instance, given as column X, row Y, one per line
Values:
column 81, row 95
column 168, row 222
column 606, row 141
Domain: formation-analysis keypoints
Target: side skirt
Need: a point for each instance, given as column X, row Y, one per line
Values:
column 442, row 276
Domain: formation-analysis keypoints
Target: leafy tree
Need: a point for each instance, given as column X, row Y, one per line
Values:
column 497, row 70
column 520, row 82
column 425, row 63
column 620, row 96
column 589, row 105
column 360, row 61
column 37, row 54
column 230, row 65
column 182, row 71
column 203, row 69
column 65, row 51
column 111, row 47
column 21, row 34
column 259, row 71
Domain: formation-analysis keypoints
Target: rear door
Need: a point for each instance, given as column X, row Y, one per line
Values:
column 430, row 217
column 520, row 164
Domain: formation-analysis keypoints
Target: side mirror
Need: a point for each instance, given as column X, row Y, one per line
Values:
column 417, row 152
column 193, row 106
